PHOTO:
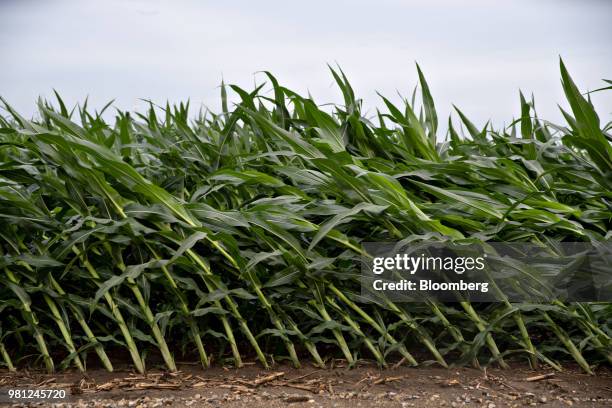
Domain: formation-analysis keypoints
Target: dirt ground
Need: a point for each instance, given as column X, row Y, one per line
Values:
column 282, row 386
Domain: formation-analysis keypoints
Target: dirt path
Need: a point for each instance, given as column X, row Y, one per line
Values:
column 364, row 386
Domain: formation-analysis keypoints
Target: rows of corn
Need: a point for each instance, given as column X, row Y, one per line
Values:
column 166, row 236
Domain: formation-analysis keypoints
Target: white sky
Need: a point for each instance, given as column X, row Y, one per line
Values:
column 475, row 54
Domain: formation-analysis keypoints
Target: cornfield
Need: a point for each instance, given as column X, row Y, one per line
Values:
column 168, row 235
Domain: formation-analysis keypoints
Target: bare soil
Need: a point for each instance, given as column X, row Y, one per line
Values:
column 282, row 386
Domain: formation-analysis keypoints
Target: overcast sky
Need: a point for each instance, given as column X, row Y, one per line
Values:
column 475, row 54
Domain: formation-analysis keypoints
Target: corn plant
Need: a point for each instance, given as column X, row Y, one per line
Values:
column 219, row 237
